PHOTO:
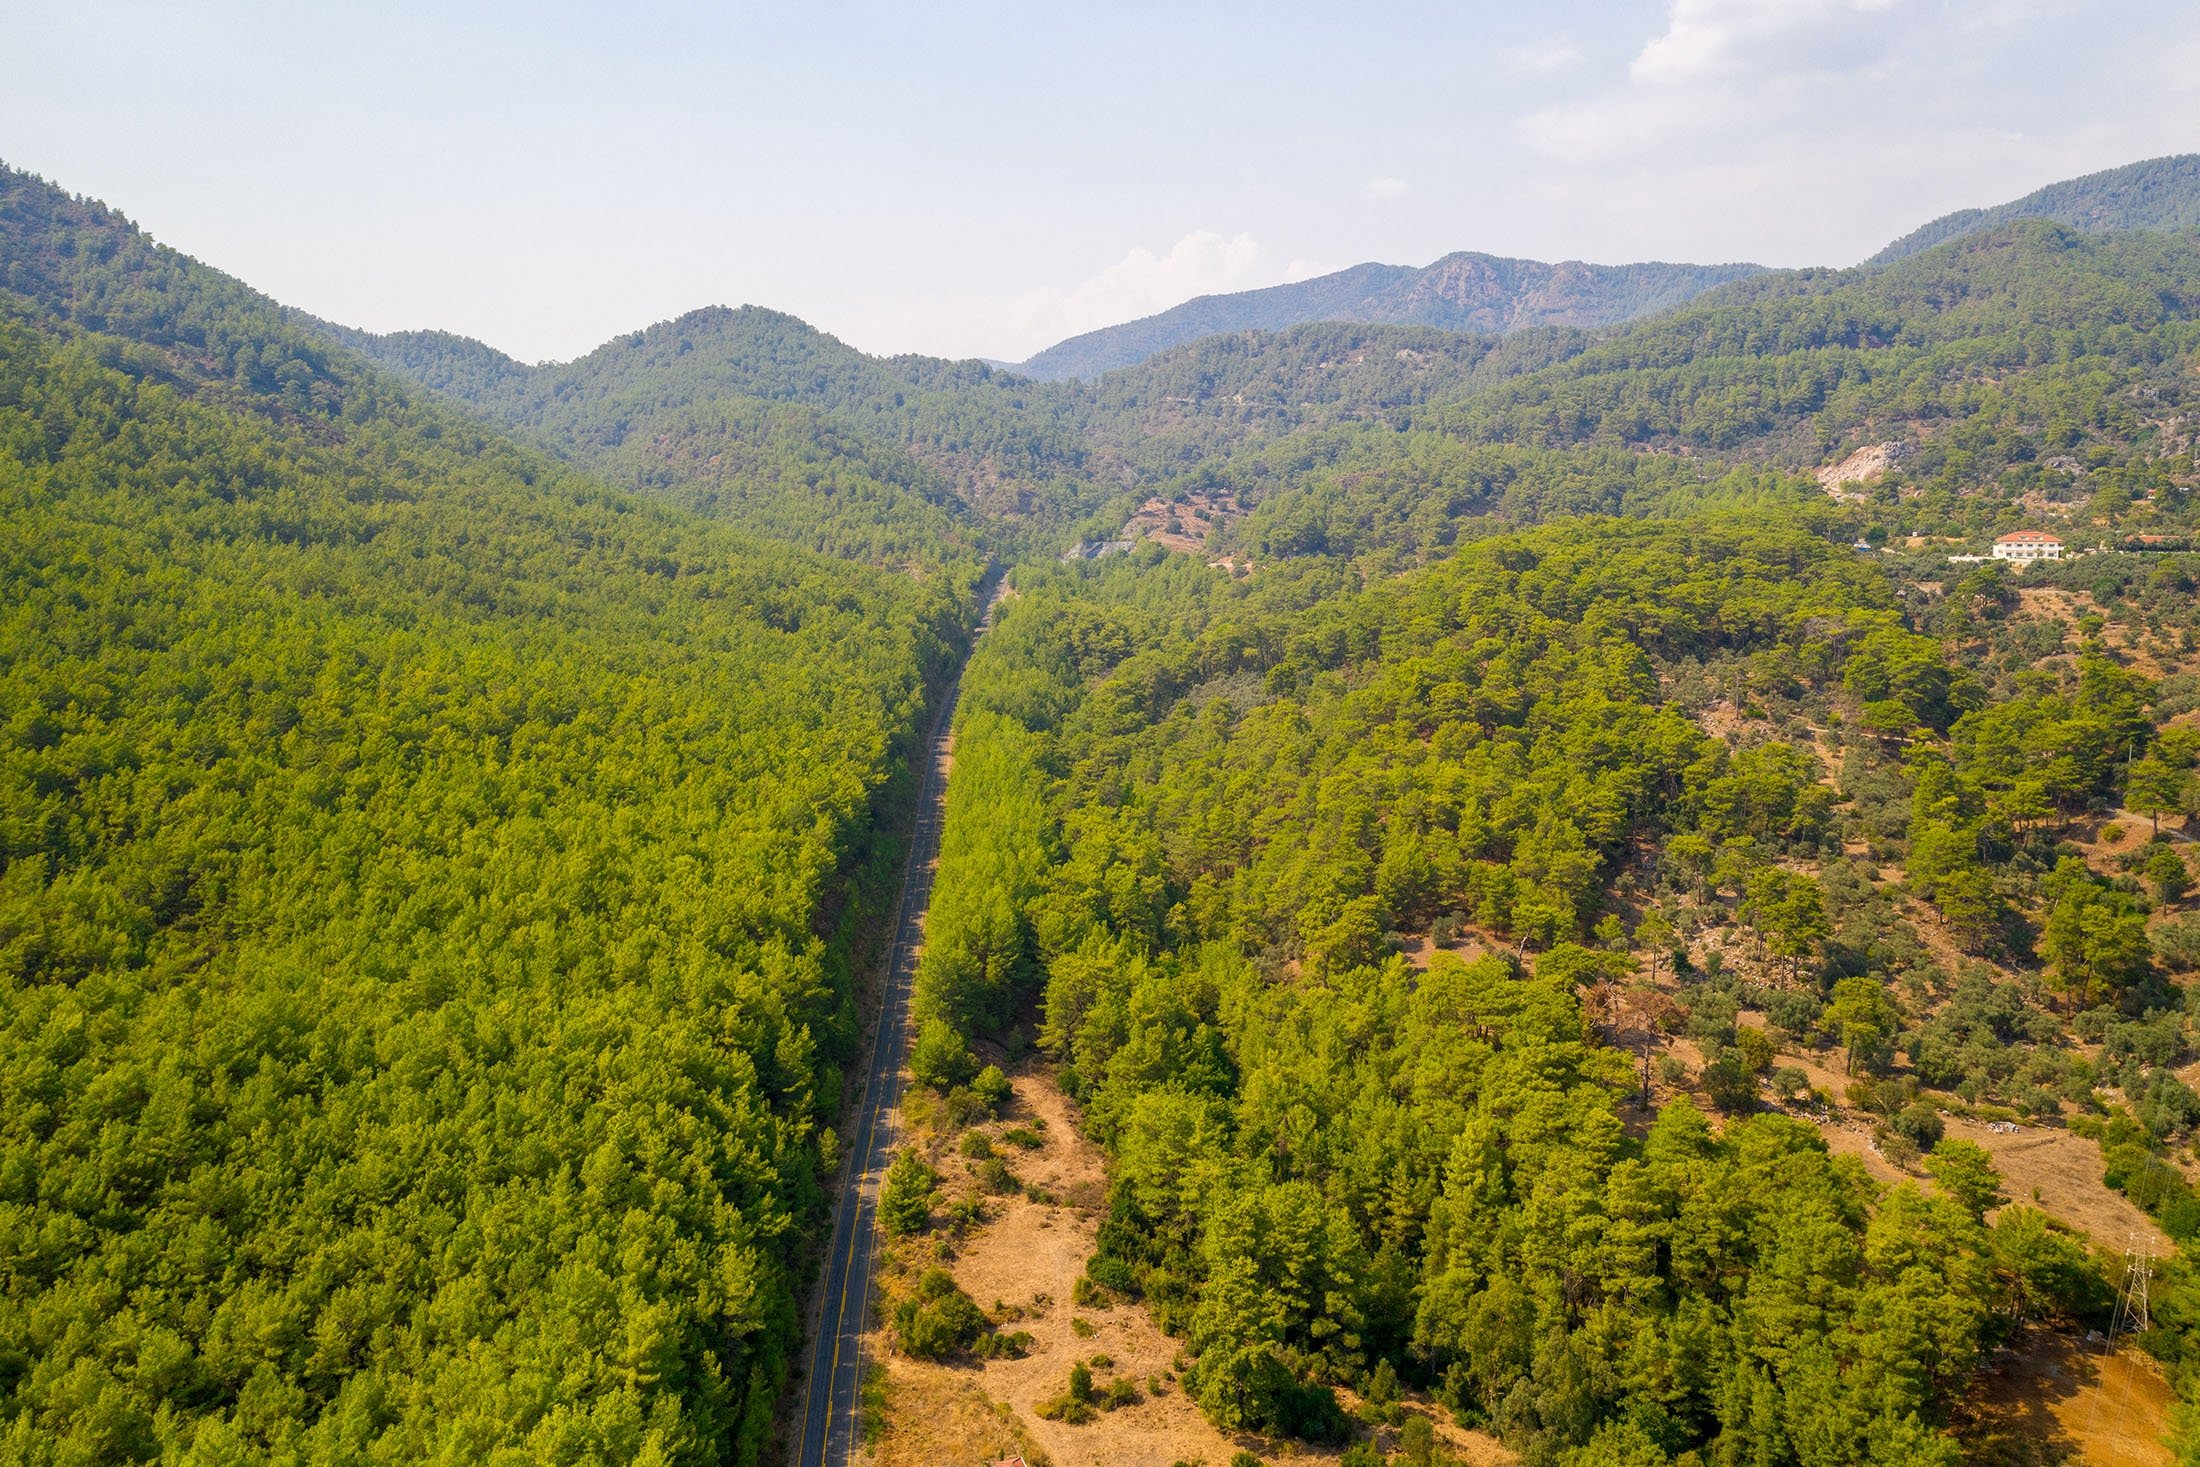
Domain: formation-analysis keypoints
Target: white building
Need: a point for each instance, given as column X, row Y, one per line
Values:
column 2026, row 546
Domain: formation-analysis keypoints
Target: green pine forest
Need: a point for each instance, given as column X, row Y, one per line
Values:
column 1469, row 862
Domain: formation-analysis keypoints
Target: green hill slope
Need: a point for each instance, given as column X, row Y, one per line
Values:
column 427, row 888
column 2159, row 194
column 2026, row 371
column 984, row 436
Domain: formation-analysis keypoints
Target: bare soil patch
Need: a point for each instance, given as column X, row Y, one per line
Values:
column 1023, row 1264
column 1466, row 947
column 2047, row 1167
column 2051, row 603
column 2059, row 1172
column 1183, row 524
column 2055, row 1400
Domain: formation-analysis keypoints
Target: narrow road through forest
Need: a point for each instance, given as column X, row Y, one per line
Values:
column 833, row 1380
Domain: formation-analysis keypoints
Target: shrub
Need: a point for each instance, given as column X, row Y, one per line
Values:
column 938, row 1320
column 941, row 1059
column 1711, row 1016
column 993, row 1345
column 1075, row 1404
column 1919, row 1124
column 905, row 1202
column 1793, row 1012
column 1112, row 1274
column 992, row 1089
column 1729, row 1083
column 2177, row 942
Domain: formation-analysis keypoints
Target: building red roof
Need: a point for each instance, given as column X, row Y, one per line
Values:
column 2029, row 537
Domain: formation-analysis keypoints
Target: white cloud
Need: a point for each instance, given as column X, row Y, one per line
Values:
column 1144, row 282
column 1706, row 40
column 1719, row 65
column 1549, row 57
column 1388, row 188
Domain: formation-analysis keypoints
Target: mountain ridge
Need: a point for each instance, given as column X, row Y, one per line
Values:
column 1463, row 291
column 2153, row 193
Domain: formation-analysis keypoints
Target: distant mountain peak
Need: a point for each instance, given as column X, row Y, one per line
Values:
column 1463, row 291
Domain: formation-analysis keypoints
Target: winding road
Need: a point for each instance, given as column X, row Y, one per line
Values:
column 833, row 1380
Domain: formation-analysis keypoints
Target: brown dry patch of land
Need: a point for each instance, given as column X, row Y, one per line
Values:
column 2059, row 1172
column 2132, row 832
column 942, row 1417
column 2130, row 646
column 1182, row 524
column 2054, row 1400
column 1023, row 1264
column 1722, row 720
column 2051, row 603
column 1466, row 947
column 2047, row 1167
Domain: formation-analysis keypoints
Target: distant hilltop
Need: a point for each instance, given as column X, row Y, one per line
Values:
column 2160, row 193
column 1489, row 293
column 1460, row 292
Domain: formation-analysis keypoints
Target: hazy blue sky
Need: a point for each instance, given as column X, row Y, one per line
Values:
column 983, row 179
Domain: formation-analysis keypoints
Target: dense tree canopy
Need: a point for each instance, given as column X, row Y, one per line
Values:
column 427, row 893
column 1327, row 1162
column 431, row 875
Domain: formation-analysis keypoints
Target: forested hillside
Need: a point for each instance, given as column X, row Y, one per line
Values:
column 1552, row 893
column 2158, row 194
column 2024, row 374
column 646, row 407
column 429, row 885
column 1344, row 912
column 2014, row 372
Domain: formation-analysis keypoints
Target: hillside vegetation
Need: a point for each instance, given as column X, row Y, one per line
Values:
column 1596, row 974
column 429, row 887
column 2158, row 194
column 1330, row 1168
column 1555, row 900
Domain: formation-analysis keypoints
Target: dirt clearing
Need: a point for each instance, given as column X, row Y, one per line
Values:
column 2056, row 1400
column 1022, row 1264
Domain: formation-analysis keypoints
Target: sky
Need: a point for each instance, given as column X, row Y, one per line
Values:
column 984, row 179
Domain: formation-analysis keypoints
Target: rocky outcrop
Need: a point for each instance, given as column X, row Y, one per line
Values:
column 1865, row 467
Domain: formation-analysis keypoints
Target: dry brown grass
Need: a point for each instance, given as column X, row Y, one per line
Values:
column 1184, row 525
column 2047, row 1167
column 2054, row 1400
column 1025, row 1259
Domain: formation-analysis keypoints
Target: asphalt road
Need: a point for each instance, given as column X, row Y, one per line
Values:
column 833, row 1378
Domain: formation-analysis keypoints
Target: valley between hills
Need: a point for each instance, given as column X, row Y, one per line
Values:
column 1590, row 867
